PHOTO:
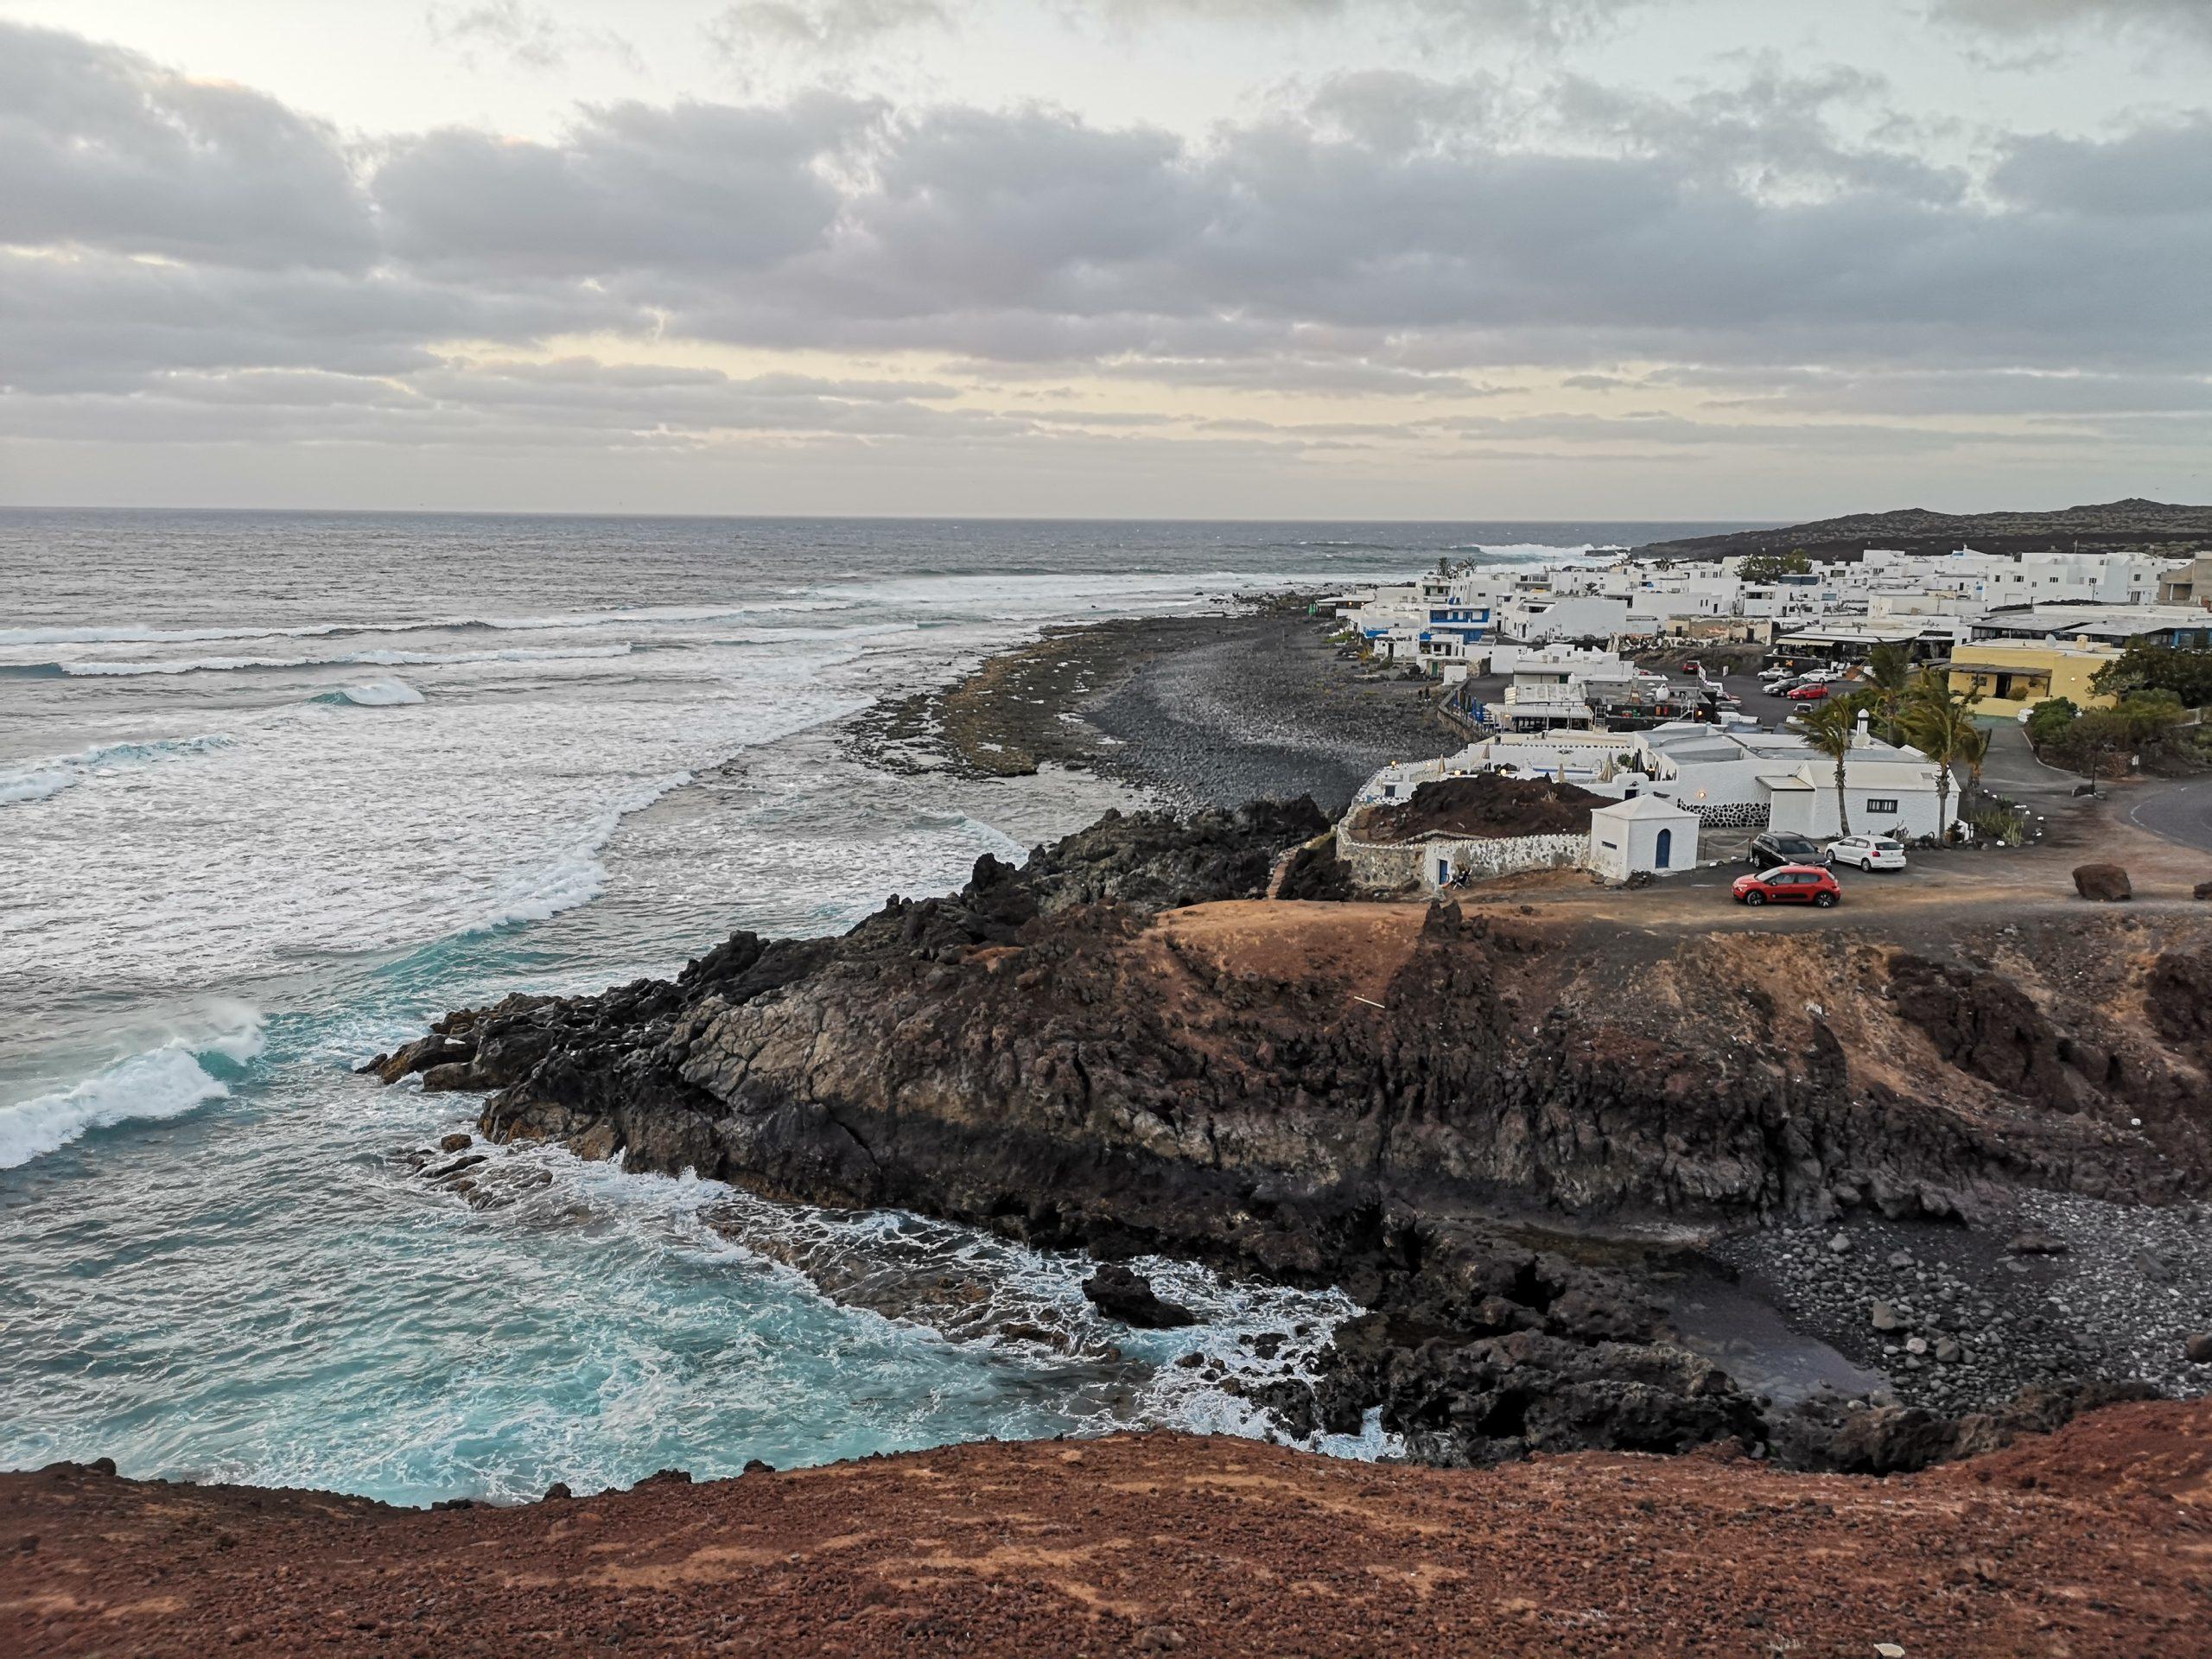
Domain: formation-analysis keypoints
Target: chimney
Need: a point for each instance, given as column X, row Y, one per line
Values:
column 1864, row 737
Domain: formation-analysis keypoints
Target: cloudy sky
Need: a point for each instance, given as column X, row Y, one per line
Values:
column 1405, row 258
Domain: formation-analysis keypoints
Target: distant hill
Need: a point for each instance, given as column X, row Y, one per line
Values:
column 2131, row 523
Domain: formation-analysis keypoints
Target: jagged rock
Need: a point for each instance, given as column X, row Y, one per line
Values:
column 457, row 1142
column 2105, row 883
column 1885, row 1317
column 1885, row 1439
column 1046, row 1054
column 1121, row 1293
column 1314, row 872
column 1985, row 1025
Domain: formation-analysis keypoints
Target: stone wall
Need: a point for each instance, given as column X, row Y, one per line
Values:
column 1732, row 815
column 1384, row 867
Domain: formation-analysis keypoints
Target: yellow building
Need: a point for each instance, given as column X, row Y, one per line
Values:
column 2016, row 674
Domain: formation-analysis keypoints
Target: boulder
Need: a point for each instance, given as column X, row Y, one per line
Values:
column 1121, row 1293
column 2199, row 1349
column 2202, row 890
column 2108, row 884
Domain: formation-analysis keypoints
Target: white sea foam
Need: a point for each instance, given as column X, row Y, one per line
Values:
column 944, row 1282
column 1532, row 552
column 42, row 779
column 163, row 1083
column 376, row 694
column 642, row 616
column 351, row 659
column 576, row 876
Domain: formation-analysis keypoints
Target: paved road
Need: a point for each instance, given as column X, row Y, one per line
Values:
column 2180, row 810
column 2012, row 769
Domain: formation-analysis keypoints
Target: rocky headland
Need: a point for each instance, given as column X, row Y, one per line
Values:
column 2163, row 527
column 1504, row 1129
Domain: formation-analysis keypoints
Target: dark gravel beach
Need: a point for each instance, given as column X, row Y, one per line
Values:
column 1209, row 710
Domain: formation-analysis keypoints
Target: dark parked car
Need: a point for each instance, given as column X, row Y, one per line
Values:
column 1773, row 847
column 1792, row 884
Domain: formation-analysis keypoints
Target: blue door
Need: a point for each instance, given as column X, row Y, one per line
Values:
column 1666, row 847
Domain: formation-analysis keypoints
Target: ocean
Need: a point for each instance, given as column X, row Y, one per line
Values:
column 277, row 789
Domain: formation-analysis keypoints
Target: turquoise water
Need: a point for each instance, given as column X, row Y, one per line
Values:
column 275, row 791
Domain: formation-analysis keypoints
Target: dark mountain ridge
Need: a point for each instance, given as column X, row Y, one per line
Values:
column 2167, row 526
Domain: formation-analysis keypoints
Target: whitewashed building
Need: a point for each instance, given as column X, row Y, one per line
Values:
column 1643, row 833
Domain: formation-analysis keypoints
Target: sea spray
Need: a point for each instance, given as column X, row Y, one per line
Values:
column 163, row 1083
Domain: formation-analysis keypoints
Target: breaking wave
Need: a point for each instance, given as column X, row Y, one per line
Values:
column 44, row 778
column 163, row 1083
column 141, row 634
column 351, row 659
column 576, row 876
column 374, row 693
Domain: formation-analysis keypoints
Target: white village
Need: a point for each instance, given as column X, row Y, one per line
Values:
column 1773, row 708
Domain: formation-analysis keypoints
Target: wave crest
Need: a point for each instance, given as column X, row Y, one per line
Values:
column 44, row 778
column 350, row 659
column 390, row 693
column 163, row 1083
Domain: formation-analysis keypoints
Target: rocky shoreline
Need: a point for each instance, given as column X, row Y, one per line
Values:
column 1194, row 710
column 1121, row 1048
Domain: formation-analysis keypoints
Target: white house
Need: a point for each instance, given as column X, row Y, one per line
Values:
column 1742, row 778
column 1641, row 833
column 1883, row 794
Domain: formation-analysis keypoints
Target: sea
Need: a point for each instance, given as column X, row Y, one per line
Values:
column 277, row 789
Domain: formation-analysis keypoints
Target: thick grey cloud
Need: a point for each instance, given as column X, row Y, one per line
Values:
column 695, row 185
column 2190, row 19
column 101, row 148
column 2156, row 170
column 1390, row 236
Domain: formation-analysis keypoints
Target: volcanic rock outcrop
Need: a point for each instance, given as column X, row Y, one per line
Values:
column 1117, row 1046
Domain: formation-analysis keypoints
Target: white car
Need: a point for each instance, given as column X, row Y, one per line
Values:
column 1867, row 852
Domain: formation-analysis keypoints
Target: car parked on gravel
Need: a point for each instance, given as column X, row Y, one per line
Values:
column 1772, row 846
column 1788, row 884
column 1867, row 852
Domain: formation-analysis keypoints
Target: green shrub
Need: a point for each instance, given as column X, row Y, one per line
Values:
column 2049, row 718
column 2187, row 674
column 2007, row 826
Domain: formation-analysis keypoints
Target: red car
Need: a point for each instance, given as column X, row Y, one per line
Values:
column 1807, row 694
column 1788, row 884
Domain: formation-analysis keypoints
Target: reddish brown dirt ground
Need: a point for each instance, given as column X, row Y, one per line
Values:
column 2094, row 1542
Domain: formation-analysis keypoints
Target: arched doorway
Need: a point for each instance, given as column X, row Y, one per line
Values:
column 1666, row 851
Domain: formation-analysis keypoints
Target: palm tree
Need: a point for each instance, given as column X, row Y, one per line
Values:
column 1889, row 675
column 1939, row 722
column 1973, row 752
column 1832, row 727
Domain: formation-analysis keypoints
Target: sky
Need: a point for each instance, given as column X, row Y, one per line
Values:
column 1584, row 259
